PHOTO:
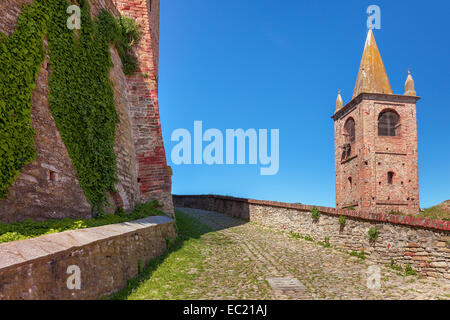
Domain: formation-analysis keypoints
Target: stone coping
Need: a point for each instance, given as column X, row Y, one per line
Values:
column 15, row 253
column 380, row 217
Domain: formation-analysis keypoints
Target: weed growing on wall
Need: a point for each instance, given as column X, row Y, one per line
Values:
column 360, row 254
column 373, row 233
column 315, row 213
column 21, row 55
column 409, row 270
column 129, row 35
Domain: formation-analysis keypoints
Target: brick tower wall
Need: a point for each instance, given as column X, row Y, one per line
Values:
column 153, row 174
column 48, row 187
column 373, row 156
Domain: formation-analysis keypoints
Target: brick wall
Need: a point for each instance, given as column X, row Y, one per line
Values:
column 423, row 243
column 107, row 257
column 48, row 188
column 153, row 173
column 373, row 156
column 128, row 188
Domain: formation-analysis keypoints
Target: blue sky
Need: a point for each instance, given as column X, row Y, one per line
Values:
column 278, row 65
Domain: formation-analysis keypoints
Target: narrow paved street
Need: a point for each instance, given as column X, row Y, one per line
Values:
column 235, row 259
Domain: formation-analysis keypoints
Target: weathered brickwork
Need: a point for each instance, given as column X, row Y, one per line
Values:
column 153, row 173
column 128, row 192
column 423, row 243
column 372, row 156
column 106, row 256
column 48, row 188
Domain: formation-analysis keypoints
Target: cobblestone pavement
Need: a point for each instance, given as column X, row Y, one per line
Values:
column 241, row 258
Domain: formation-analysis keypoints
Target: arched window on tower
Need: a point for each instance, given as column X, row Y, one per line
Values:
column 388, row 123
column 349, row 129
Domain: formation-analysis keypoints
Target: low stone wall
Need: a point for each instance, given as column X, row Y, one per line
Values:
column 104, row 258
column 423, row 243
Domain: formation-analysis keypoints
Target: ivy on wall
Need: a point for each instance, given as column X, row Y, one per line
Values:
column 81, row 95
column 82, row 99
column 21, row 55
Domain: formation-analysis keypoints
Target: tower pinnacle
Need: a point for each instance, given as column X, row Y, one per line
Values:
column 372, row 77
column 339, row 102
column 409, row 85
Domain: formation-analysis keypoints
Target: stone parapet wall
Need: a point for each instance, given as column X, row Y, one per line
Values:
column 423, row 243
column 106, row 256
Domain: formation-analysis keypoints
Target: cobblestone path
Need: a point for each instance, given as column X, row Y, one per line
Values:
column 243, row 256
column 244, row 260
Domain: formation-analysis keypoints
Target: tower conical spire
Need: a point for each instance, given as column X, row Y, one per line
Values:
column 409, row 86
column 339, row 102
column 372, row 77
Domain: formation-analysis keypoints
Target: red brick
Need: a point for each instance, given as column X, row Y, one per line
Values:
column 373, row 156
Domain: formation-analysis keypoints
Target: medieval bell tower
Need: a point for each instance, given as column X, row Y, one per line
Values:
column 375, row 137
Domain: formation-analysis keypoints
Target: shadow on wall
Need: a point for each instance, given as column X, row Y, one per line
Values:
column 237, row 209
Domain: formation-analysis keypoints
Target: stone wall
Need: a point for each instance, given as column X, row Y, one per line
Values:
column 106, row 257
column 48, row 187
column 423, row 243
column 128, row 192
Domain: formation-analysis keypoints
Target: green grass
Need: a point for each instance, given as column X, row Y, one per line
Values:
column 31, row 229
column 174, row 273
column 437, row 212
column 294, row 235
